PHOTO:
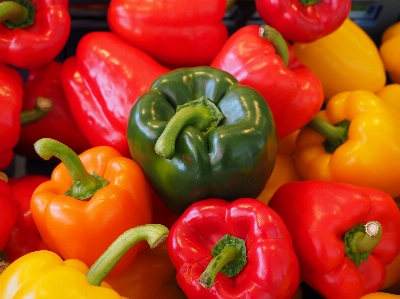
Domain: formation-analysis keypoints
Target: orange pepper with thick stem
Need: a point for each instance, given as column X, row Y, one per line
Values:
column 79, row 215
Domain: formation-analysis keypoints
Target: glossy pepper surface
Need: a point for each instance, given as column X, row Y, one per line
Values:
column 8, row 211
column 59, row 124
column 101, row 84
column 304, row 20
column 33, row 33
column 390, row 94
column 389, row 51
column 180, row 33
column 93, row 210
column 197, row 133
column 354, row 140
column 24, row 237
column 357, row 65
column 247, row 237
column 267, row 64
column 343, row 235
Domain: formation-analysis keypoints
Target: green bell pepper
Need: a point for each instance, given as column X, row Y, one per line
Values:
column 197, row 134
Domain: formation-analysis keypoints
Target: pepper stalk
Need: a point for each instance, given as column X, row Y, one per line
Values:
column 17, row 13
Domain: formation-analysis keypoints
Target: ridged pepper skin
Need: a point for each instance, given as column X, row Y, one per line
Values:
column 367, row 153
column 302, row 20
column 270, row 269
column 228, row 159
column 345, row 60
column 39, row 43
column 389, row 51
column 343, row 235
column 101, row 84
column 390, row 94
column 176, row 33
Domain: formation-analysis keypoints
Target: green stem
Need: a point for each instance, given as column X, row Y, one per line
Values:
column 154, row 234
column 42, row 108
column 84, row 185
column 361, row 240
column 309, row 2
column 17, row 13
column 276, row 39
column 200, row 113
column 335, row 135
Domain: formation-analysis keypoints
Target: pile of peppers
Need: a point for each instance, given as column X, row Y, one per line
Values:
column 174, row 158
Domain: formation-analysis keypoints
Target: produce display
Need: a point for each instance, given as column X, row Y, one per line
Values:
column 180, row 151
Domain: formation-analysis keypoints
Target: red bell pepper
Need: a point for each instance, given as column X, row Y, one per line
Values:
column 259, row 57
column 343, row 235
column 24, row 237
column 8, row 211
column 233, row 250
column 59, row 124
column 33, row 33
column 101, row 84
column 304, row 20
column 175, row 33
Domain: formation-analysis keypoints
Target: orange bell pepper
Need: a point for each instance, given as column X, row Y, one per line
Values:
column 79, row 215
column 356, row 142
column 389, row 50
column 345, row 60
column 390, row 94
column 380, row 295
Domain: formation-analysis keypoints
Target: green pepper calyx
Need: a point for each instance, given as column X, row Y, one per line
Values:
column 309, row 2
column 17, row 13
column 201, row 113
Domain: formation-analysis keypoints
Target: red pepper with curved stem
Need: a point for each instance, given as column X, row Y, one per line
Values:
column 233, row 250
column 101, row 84
column 33, row 32
column 330, row 223
column 260, row 58
column 59, row 124
column 304, row 20
column 8, row 211
column 24, row 237
column 183, row 33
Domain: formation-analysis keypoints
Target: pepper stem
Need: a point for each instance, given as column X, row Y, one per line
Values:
column 229, row 4
column 309, row 2
column 229, row 258
column 361, row 240
column 335, row 135
column 154, row 234
column 42, row 108
column 17, row 13
column 276, row 39
column 84, row 185
column 3, row 176
column 201, row 113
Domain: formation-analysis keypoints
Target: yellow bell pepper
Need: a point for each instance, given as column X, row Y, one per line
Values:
column 390, row 94
column 380, row 295
column 389, row 50
column 43, row 274
column 363, row 150
column 345, row 60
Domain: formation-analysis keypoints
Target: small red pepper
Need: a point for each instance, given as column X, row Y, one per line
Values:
column 304, row 20
column 233, row 250
column 8, row 211
column 24, row 237
column 260, row 58
column 343, row 235
column 59, row 124
column 101, row 84
column 33, row 33
column 175, row 33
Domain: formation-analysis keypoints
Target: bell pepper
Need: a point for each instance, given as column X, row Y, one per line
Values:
column 43, row 274
column 24, row 237
column 354, row 140
column 101, row 84
column 93, row 210
column 343, row 235
column 304, row 20
column 260, row 58
column 134, row 281
column 345, row 60
column 380, row 295
column 59, row 124
column 233, row 250
column 390, row 94
column 8, row 211
column 33, row 33
column 390, row 43
column 181, row 33
column 197, row 133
